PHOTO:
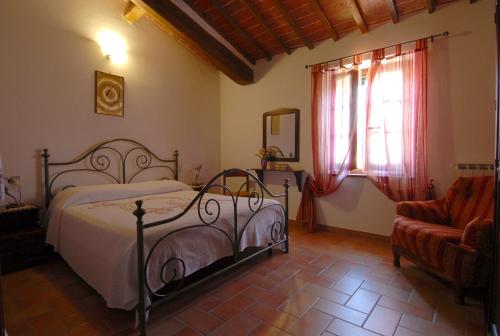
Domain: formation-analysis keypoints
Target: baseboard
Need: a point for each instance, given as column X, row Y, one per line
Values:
column 362, row 234
column 326, row 228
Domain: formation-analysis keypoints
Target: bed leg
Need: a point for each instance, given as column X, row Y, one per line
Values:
column 142, row 320
column 141, row 285
column 287, row 233
column 270, row 251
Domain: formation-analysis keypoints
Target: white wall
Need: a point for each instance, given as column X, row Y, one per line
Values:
column 47, row 61
column 461, row 106
column 174, row 101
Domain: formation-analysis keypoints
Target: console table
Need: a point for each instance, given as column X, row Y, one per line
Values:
column 296, row 172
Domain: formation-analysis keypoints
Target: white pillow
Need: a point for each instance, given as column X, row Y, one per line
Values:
column 108, row 192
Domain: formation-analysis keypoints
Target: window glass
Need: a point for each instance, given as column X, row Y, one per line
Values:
column 385, row 123
column 342, row 120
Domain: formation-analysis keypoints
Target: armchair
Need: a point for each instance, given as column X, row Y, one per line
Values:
column 451, row 236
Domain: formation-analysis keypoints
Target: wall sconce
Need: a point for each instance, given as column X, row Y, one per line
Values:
column 113, row 46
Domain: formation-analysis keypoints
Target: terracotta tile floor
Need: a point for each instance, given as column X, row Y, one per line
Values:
column 329, row 284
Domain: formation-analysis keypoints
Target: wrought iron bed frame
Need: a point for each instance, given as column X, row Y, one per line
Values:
column 97, row 160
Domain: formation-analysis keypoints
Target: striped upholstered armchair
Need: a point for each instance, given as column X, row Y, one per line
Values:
column 450, row 236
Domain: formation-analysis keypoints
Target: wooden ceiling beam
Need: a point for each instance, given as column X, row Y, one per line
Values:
column 291, row 22
column 132, row 13
column 170, row 17
column 326, row 22
column 205, row 17
column 248, row 5
column 356, row 13
column 393, row 10
column 431, row 6
column 225, row 14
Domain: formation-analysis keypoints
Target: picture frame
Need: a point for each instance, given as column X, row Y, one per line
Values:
column 109, row 94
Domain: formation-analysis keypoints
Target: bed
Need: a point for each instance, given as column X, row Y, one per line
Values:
column 137, row 242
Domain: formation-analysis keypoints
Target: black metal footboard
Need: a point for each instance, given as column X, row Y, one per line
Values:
column 208, row 207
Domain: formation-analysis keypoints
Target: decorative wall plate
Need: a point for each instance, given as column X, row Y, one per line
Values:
column 109, row 94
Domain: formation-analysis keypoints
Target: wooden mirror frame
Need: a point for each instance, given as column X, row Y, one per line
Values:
column 297, row 131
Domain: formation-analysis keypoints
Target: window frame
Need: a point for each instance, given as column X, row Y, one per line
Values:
column 357, row 82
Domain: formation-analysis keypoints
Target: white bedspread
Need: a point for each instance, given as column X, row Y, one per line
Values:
column 94, row 230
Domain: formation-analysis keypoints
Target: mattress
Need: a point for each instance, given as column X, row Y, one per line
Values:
column 94, row 230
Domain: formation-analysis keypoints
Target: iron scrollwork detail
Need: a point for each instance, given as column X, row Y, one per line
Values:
column 121, row 154
column 208, row 208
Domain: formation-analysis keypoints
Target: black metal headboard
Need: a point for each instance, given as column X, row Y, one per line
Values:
column 99, row 158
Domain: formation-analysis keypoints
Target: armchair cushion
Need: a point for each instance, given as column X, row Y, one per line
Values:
column 427, row 241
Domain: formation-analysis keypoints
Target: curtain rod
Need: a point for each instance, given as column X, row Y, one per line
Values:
column 446, row 33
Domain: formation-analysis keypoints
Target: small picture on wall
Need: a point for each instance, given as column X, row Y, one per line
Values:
column 109, row 94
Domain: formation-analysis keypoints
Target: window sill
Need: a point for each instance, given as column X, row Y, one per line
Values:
column 356, row 174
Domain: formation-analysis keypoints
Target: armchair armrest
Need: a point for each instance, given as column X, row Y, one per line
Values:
column 427, row 211
column 477, row 235
column 466, row 266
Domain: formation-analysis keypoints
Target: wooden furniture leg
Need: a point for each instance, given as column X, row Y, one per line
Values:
column 396, row 255
column 459, row 294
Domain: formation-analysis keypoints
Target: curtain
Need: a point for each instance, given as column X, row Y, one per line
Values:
column 333, row 133
column 396, row 123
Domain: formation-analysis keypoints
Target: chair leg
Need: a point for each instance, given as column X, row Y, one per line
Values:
column 459, row 294
column 397, row 256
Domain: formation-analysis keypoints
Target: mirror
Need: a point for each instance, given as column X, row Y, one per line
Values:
column 281, row 132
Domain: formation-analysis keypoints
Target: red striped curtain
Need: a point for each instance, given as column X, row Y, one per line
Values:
column 333, row 131
column 396, row 132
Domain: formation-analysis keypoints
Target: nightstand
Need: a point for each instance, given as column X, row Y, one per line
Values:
column 22, row 239
column 197, row 187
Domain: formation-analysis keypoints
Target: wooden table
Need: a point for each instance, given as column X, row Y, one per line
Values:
column 296, row 172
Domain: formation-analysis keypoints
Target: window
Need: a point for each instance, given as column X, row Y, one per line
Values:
column 342, row 122
column 384, row 129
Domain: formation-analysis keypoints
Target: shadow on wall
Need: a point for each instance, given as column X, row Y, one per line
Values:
column 346, row 198
column 278, row 179
column 37, row 161
column 441, row 150
column 263, row 67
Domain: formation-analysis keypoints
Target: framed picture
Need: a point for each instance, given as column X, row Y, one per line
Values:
column 109, row 94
